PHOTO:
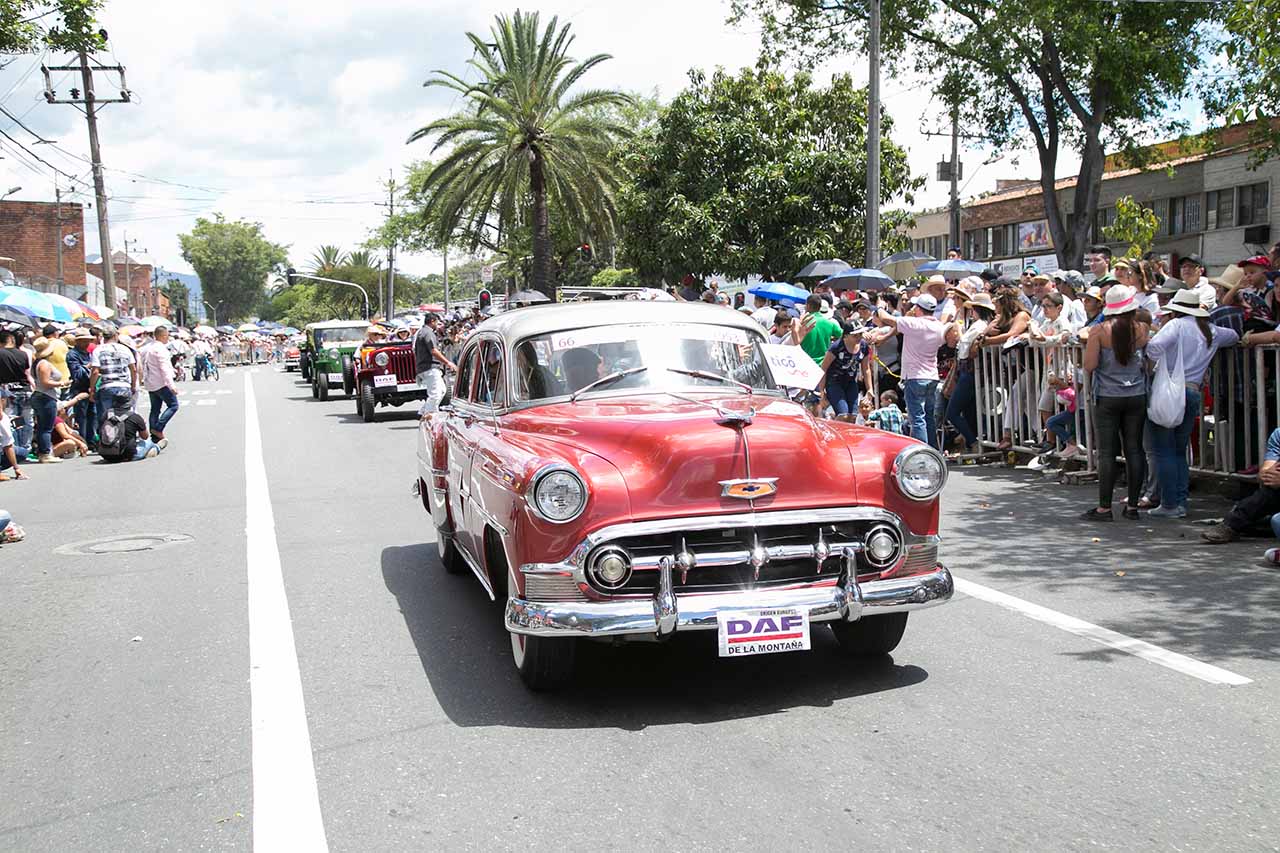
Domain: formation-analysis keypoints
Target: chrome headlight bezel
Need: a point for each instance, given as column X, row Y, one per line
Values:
column 334, row 354
column 542, row 478
column 914, row 455
column 382, row 359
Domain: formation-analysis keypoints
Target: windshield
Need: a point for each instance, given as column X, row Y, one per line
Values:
column 561, row 363
column 346, row 336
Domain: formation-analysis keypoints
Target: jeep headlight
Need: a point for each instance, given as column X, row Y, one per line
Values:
column 920, row 472
column 381, row 359
column 559, row 495
column 333, row 354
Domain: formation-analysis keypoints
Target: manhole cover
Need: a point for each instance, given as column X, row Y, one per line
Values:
column 123, row 544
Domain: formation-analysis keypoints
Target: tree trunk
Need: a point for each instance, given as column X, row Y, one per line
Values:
column 1088, row 189
column 543, row 268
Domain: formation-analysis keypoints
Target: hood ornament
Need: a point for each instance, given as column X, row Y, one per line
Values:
column 749, row 489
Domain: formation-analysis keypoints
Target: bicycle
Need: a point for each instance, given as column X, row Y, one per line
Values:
column 208, row 368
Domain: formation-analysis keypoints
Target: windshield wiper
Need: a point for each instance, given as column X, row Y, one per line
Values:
column 718, row 377
column 605, row 380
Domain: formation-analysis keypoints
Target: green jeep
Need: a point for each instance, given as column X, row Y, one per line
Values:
column 327, row 354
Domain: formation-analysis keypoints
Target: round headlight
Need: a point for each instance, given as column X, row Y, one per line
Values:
column 920, row 472
column 882, row 547
column 611, row 568
column 333, row 353
column 559, row 495
column 381, row 359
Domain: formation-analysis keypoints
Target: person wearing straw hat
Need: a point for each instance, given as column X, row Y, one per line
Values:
column 1188, row 339
column 80, row 366
column 1114, row 356
column 962, row 405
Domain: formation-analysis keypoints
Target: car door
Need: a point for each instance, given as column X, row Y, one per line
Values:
column 458, row 426
column 487, row 489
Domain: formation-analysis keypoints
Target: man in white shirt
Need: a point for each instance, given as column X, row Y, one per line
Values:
column 1191, row 271
column 763, row 314
column 158, row 378
column 945, row 310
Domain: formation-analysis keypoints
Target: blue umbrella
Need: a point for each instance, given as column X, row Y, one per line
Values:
column 903, row 265
column 779, row 291
column 861, row 278
column 952, row 267
column 35, row 303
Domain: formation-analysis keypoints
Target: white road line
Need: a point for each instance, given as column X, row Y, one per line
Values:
column 1105, row 636
column 224, row 392
column 209, row 402
column 286, row 804
column 200, row 393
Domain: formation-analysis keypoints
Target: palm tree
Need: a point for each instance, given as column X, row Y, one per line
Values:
column 362, row 258
column 522, row 144
column 326, row 259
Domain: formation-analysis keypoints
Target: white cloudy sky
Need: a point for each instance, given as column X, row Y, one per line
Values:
column 291, row 112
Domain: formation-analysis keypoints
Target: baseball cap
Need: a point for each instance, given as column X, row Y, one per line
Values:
column 1193, row 260
column 1031, row 270
column 925, row 302
column 1257, row 261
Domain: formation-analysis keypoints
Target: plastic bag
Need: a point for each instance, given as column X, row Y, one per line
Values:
column 1167, row 405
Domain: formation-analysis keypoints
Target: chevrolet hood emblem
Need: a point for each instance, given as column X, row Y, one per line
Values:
column 749, row 490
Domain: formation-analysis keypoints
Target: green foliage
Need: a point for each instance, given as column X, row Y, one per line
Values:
column 611, row 277
column 1089, row 77
column 522, row 145
column 28, row 26
column 178, row 295
column 326, row 259
column 1135, row 225
column 757, row 173
column 1250, row 91
column 233, row 260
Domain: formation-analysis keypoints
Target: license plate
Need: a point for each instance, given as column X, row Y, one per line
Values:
column 385, row 380
column 335, row 377
column 407, row 386
column 763, row 632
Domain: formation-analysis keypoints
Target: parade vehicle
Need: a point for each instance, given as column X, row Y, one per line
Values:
column 292, row 357
column 385, row 375
column 328, row 355
column 631, row 470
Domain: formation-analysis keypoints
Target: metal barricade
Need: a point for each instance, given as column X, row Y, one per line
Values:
column 1242, row 402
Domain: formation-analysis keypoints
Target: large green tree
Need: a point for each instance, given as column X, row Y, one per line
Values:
column 233, row 261
column 30, row 25
column 1066, row 75
column 1249, row 87
column 523, row 144
column 757, row 173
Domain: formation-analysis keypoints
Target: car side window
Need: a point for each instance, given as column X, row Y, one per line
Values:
column 466, row 369
column 489, row 389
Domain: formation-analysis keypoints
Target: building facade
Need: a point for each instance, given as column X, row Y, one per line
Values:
column 44, row 244
column 1209, row 203
column 135, row 294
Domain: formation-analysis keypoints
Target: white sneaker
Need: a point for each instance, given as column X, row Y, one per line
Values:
column 152, row 452
column 163, row 444
column 48, row 460
column 1273, row 556
column 1168, row 512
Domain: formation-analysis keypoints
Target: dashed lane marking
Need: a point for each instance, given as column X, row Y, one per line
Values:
column 286, row 804
column 1104, row 636
column 225, row 392
column 206, row 402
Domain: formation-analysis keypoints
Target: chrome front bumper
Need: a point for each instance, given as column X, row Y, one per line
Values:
column 666, row 613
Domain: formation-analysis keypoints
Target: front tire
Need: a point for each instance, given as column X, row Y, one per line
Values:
column 315, row 389
column 367, row 402
column 544, row 663
column 322, row 386
column 870, row 636
column 348, row 377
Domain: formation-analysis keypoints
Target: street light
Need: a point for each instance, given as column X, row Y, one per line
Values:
column 214, row 310
column 11, row 191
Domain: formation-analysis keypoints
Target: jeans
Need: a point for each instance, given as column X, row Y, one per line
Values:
column 5, row 519
column 145, row 446
column 120, row 399
column 86, row 421
column 1170, row 445
column 1063, row 425
column 46, row 410
column 1151, row 484
column 1120, row 417
column 20, row 407
column 164, row 405
column 843, row 396
column 1253, row 509
column 20, row 452
column 920, row 395
column 962, row 408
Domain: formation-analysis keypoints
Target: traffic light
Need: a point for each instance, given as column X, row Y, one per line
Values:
column 485, row 299
column 586, row 251
column 291, row 275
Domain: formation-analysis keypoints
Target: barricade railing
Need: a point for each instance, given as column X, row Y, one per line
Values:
column 1241, row 390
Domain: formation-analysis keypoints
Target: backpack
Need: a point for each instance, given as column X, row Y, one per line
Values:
column 113, row 439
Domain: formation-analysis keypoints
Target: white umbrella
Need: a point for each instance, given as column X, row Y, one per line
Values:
column 206, row 331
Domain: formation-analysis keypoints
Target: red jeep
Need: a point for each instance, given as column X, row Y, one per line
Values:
column 385, row 375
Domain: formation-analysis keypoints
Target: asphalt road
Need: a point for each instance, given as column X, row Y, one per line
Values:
column 126, row 721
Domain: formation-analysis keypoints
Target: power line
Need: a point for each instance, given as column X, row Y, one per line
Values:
column 37, row 156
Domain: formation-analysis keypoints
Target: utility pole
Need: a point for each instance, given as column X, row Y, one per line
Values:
column 128, row 278
column 57, row 193
column 90, row 108
column 954, row 229
column 391, row 249
column 873, row 138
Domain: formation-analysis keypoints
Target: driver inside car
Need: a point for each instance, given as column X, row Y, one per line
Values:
column 581, row 367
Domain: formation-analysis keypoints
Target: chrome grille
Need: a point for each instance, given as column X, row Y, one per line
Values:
column 402, row 364
column 539, row 586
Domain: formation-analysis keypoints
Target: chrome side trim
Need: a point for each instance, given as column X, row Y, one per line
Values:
column 698, row 612
column 488, row 517
column 476, row 570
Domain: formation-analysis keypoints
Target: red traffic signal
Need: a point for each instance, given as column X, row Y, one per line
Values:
column 484, row 298
column 585, row 248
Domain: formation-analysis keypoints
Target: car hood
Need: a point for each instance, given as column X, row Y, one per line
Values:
column 673, row 455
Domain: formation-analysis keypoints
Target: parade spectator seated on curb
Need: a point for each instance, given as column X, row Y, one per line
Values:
column 1255, row 509
column 11, row 454
column 124, row 437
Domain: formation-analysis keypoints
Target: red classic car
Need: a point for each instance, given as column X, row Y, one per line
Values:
column 622, row 470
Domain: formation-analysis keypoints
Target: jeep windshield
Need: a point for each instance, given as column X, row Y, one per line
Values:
column 347, row 336
column 562, row 363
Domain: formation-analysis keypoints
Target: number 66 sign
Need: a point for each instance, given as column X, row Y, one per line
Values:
column 791, row 367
